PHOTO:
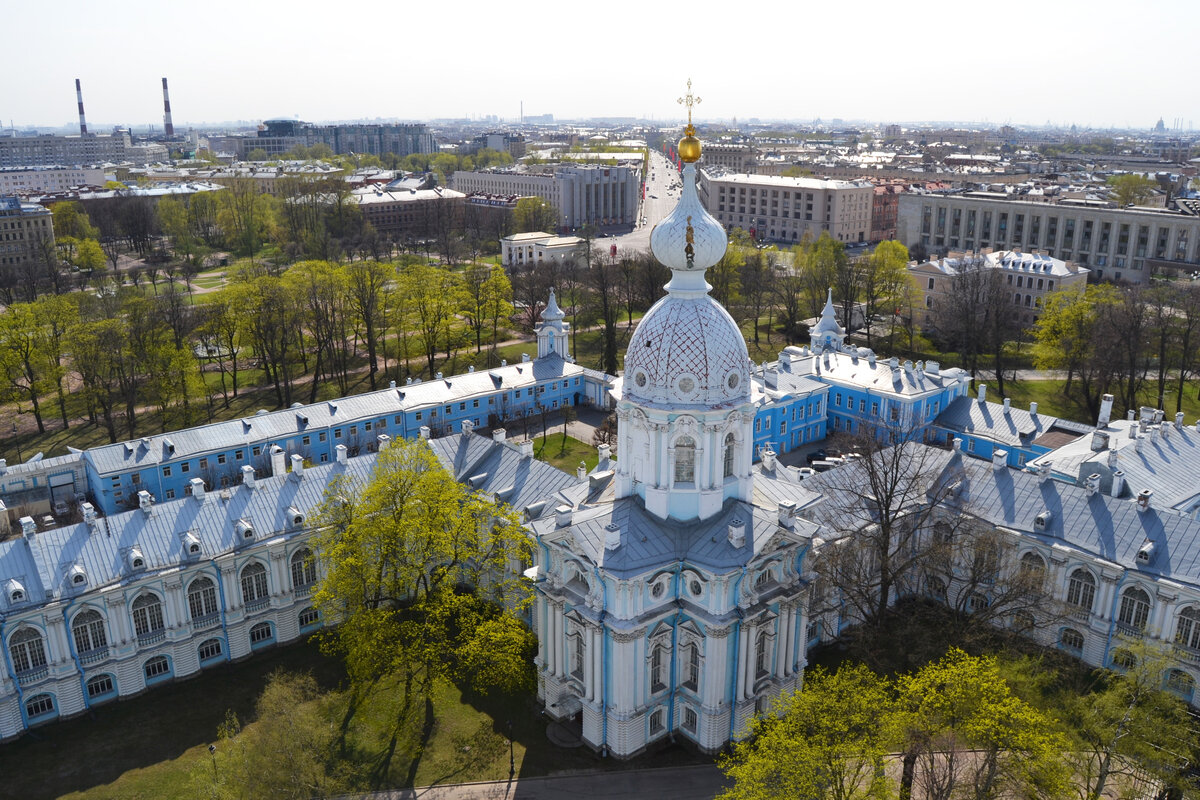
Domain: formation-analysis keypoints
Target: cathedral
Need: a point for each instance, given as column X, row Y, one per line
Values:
column 669, row 594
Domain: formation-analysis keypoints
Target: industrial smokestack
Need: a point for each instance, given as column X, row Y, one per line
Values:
column 167, row 125
column 79, row 99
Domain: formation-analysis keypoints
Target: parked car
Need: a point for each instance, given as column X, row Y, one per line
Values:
column 61, row 509
column 816, row 455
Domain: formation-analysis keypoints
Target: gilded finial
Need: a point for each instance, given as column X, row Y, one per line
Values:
column 689, row 145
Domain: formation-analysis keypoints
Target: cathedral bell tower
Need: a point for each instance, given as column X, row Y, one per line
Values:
column 552, row 333
column 684, row 438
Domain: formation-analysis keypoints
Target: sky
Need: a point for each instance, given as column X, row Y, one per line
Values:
column 1099, row 64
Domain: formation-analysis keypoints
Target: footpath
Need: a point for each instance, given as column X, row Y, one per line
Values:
column 702, row 782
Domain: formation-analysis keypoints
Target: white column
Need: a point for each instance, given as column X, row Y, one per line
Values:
column 782, row 658
column 746, row 663
column 541, row 629
column 597, row 654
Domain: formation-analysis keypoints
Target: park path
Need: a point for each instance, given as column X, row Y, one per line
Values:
column 702, row 782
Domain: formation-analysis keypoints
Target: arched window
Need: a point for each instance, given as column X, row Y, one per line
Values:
column 88, row 629
column 156, row 668
column 1181, row 684
column 658, row 667
column 1033, row 569
column 99, row 687
column 691, row 660
column 209, row 650
column 935, row 587
column 202, row 598
column 254, row 582
column 1071, row 640
column 685, row 460
column 977, row 602
column 1081, row 589
column 28, row 651
column 147, row 615
column 656, row 722
column 304, row 568
column 1123, row 659
column 730, row 449
column 309, row 617
column 40, row 705
column 1135, row 608
column 1187, row 628
column 262, row 634
column 760, row 655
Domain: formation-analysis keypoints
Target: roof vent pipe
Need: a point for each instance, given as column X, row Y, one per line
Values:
column 248, row 476
column 983, row 392
column 1106, row 404
column 1143, row 499
column 197, row 488
column 1033, row 409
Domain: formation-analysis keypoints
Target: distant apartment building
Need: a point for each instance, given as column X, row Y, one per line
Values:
column 48, row 149
column 1028, row 277
column 786, row 209
column 25, row 228
column 279, row 136
column 1120, row 244
column 511, row 143
column 32, row 180
column 884, row 208
column 409, row 212
column 583, row 194
column 732, row 157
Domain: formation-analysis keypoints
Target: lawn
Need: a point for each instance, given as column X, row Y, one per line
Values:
column 156, row 745
column 565, row 453
column 1048, row 394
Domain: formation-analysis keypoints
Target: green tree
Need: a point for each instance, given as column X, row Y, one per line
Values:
column 285, row 753
column 418, row 573
column 961, row 726
column 1067, row 337
column 89, row 256
column 884, row 276
column 830, row 740
column 71, row 220
column 25, row 373
column 434, row 298
column 534, row 214
column 1131, row 189
column 1130, row 725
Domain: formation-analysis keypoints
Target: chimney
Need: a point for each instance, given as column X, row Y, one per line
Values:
column 1113, row 455
column 1118, row 483
column 79, row 100
column 3, row 465
column 612, row 536
column 1137, row 444
column 504, row 362
column 1106, row 404
column 737, row 533
column 168, row 127
column 28, row 526
column 983, row 392
column 1143, row 499
column 787, row 511
column 524, row 358
column 526, row 448
column 89, row 513
column 768, row 458
column 1033, row 409
column 957, row 445
column 1129, row 415
column 1007, row 405
column 340, row 454
column 277, row 461
column 424, row 431
column 1043, row 471
column 581, row 471
column 1158, row 416
column 197, row 488
column 605, row 452
column 470, row 368
column 498, row 435
column 1179, row 421
column 145, row 501
column 391, row 384
column 439, row 376
column 467, row 426
column 297, row 466
column 248, row 476
column 999, row 459
column 562, row 516
column 933, row 367
column 382, row 441
column 894, row 363
column 1099, row 441
column 1092, row 484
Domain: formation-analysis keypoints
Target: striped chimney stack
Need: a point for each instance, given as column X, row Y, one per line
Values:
column 79, row 99
column 168, row 126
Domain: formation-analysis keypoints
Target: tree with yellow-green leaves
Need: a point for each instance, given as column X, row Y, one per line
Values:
column 418, row 574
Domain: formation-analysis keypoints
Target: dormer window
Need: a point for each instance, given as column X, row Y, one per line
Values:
column 137, row 561
column 77, row 576
column 245, row 530
column 191, row 544
column 296, row 517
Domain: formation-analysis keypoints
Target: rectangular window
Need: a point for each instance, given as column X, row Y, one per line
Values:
column 367, row 425
column 166, row 472
column 337, row 433
column 306, row 440
column 321, row 436
column 418, row 416
column 185, row 467
column 204, row 463
column 170, row 493
column 354, row 430
column 256, row 450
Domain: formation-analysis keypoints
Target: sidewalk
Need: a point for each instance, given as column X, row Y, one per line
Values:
column 673, row 783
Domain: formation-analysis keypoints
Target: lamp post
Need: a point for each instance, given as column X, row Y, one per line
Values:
column 512, row 763
column 212, row 752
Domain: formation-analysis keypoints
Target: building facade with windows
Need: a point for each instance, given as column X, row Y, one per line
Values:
column 1117, row 244
column 26, row 235
column 787, row 209
column 48, row 179
column 583, row 194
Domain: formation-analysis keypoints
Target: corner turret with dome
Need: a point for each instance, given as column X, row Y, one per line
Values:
column 684, row 441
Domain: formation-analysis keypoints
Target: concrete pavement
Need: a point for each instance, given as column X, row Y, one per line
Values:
column 702, row 782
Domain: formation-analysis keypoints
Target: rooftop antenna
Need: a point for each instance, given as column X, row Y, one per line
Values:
column 167, row 125
column 79, row 99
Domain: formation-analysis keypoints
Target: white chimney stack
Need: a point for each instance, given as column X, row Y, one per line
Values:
column 1043, row 471
column 498, row 435
column 424, row 432
column 768, row 458
column 340, row 454
column 562, row 516
column 278, row 462
column 1143, row 499
column 1179, row 421
column 1092, row 484
column 197, row 488
column 28, row 526
column 248, row 476
column 297, row 466
column 1118, row 483
column 89, row 513
column 605, row 452
column 581, row 471
column 1033, row 409
column 1106, row 404
column 983, row 392
column 467, row 426
column 999, row 459
column 145, row 501
column 526, row 448
column 1007, row 405
column 787, row 511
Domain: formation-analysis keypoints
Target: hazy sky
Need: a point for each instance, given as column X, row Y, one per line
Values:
column 1097, row 63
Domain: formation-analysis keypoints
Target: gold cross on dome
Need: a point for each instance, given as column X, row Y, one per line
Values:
column 689, row 100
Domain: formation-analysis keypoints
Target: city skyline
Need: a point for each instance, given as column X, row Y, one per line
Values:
column 946, row 63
